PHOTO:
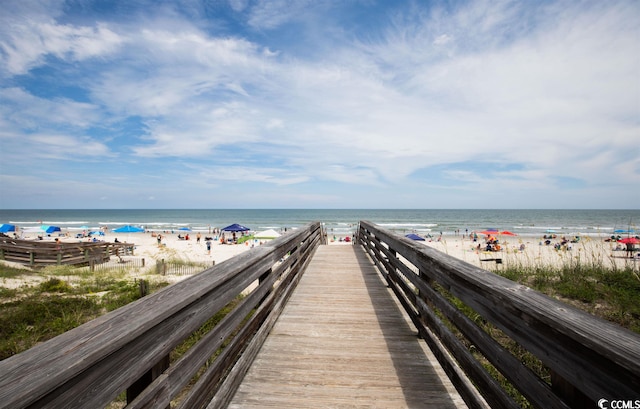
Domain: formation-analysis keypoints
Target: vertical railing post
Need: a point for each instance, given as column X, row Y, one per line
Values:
column 144, row 288
column 262, row 278
column 156, row 370
column 569, row 393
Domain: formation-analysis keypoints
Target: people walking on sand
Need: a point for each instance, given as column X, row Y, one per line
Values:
column 208, row 246
column 198, row 237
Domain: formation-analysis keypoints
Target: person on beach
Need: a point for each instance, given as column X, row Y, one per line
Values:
column 198, row 236
column 208, row 246
column 630, row 250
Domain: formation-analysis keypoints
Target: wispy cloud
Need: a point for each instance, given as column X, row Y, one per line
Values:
column 476, row 97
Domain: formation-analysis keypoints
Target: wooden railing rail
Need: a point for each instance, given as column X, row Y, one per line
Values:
column 129, row 348
column 34, row 253
column 587, row 358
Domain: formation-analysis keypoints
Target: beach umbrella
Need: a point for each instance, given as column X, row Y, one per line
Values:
column 236, row 227
column 49, row 229
column 491, row 232
column 629, row 240
column 624, row 231
column 128, row 229
column 184, row 229
column 267, row 234
column 414, row 237
column 5, row 228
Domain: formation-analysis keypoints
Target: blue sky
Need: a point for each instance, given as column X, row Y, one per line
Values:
column 319, row 104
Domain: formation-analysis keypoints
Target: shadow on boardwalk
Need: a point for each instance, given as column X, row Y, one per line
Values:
column 422, row 380
column 343, row 341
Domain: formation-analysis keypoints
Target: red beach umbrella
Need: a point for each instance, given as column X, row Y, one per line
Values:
column 497, row 233
column 629, row 240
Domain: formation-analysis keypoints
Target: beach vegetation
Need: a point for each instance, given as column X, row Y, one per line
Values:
column 7, row 271
column 63, row 298
column 608, row 292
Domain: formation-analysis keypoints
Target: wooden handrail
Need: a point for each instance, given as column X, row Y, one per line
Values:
column 588, row 358
column 127, row 349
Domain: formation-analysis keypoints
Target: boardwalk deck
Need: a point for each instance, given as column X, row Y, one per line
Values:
column 343, row 341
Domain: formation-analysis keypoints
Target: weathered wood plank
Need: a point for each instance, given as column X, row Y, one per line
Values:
column 597, row 358
column 89, row 365
column 342, row 340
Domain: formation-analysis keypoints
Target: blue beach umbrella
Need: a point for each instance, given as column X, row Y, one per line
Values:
column 128, row 229
column 49, row 229
column 624, row 231
column 6, row 228
column 414, row 237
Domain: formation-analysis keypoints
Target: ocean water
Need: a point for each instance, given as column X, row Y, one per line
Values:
column 339, row 221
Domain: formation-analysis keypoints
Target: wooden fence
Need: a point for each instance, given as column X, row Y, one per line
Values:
column 450, row 301
column 42, row 253
column 178, row 267
column 160, row 267
column 129, row 348
column 122, row 264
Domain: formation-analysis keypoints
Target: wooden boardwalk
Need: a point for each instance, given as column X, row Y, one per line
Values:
column 343, row 341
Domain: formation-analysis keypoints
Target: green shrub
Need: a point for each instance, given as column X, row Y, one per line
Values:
column 11, row 272
column 55, row 285
column 30, row 315
column 611, row 294
column 36, row 318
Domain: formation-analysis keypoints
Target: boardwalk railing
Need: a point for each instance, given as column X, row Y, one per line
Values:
column 38, row 253
column 467, row 315
column 129, row 349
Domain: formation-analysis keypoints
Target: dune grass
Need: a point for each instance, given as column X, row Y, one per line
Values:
column 610, row 293
column 64, row 299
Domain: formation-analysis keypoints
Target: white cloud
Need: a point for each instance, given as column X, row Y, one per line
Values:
column 549, row 88
column 26, row 42
column 274, row 13
column 30, row 112
column 238, row 5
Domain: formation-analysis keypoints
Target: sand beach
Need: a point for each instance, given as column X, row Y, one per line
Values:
column 524, row 251
column 528, row 252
